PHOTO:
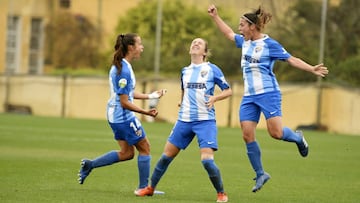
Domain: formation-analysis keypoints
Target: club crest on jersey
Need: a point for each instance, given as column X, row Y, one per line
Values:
column 122, row 82
column 257, row 49
column 203, row 73
column 139, row 133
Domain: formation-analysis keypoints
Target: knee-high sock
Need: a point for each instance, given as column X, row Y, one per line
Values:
column 144, row 170
column 290, row 136
column 160, row 169
column 105, row 159
column 214, row 174
column 254, row 154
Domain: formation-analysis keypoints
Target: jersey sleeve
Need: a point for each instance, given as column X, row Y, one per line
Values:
column 124, row 83
column 219, row 78
column 239, row 40
column 277, row 51
column 181, row 79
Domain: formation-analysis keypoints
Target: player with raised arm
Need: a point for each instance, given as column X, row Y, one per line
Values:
column 261, row 89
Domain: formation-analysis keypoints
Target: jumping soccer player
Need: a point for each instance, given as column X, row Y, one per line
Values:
column 261, row 89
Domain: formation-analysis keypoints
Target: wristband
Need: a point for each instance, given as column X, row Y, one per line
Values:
column 154, row 95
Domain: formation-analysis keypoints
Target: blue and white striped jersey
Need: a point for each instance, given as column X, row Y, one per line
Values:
column 257, row 62
column 123, row 83
column 198, row 81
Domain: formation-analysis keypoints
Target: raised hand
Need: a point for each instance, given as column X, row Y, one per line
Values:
column 320, row 70
column 212, row 10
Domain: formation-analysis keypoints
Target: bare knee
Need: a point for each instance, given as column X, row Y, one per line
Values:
column 206, row 153
column 248, row 130
column 143, row 147
column 248, row 137
column 274, row 127
column 276, row 134
column 126, row 155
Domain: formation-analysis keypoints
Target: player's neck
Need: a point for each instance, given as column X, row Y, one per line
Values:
column 128, row 58
column 257, row 36
column 197, row 59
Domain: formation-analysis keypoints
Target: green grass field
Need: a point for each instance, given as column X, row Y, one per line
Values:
column 39, row 161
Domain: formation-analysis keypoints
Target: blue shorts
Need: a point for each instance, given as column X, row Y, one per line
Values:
column 268, row 103
column 183, row 133
column 130, row 131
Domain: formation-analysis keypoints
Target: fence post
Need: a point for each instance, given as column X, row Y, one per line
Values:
column 63, row 95
column 7, row 91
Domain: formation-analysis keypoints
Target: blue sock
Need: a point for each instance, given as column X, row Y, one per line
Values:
column 290, row 136
column 214, row 174
column 144, row 170
column 254, row 154
column 106, row 159
column 160, row 169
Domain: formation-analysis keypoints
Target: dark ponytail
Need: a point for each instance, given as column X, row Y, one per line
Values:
column 259, row 18
column 121, row 48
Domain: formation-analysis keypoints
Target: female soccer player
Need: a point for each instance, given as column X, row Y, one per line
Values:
column 261, row 89
column 196, row 117
column 127, row 129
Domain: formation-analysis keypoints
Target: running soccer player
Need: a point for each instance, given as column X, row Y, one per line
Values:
column 261, row 89
column 196, row 117
column 127, row 129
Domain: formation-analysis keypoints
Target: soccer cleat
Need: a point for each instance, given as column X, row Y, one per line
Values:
column 147, row 191
column 85, row 170
column 222, row 197
column 260, row 181
column 303, row 146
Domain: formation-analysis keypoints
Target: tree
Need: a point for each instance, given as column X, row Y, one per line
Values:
column 181, row 24
column 299, row 33
column 74, row 42
column 344, row 42
column 347, row 72
column 344, row 29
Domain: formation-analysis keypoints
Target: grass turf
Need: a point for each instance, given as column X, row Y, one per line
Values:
column 39, row 161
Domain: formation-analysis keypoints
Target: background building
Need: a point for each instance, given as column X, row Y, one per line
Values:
column 23, row 24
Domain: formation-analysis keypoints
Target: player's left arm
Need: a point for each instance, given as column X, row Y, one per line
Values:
column 181, row 98
column 319, row 69
column 223, row 95
column 279, row 53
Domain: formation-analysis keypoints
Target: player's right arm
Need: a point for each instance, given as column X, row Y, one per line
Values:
column 223, row 27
